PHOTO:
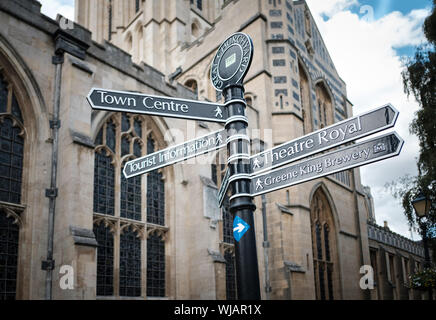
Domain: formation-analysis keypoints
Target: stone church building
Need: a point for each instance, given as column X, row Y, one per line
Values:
column 66, row 209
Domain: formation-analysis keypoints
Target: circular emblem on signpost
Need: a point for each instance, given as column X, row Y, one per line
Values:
column 231, row 62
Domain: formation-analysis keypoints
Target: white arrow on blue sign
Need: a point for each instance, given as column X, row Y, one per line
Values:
column 240, row 227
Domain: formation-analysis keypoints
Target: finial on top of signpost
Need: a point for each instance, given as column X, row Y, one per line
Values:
column 232, row 61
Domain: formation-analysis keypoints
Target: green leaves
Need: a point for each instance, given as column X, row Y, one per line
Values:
column 419, row 79
column 424, row 280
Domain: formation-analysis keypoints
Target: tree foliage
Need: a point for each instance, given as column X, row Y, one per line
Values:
column 419, row 78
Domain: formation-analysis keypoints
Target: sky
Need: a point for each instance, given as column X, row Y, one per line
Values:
column 368, row 41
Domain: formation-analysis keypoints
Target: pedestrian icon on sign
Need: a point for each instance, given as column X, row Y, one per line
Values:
column 259, row 184
column 219, row 139
column 218, row 112
column 256, row 163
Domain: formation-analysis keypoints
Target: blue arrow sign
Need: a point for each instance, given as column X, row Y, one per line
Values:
column 240, row 227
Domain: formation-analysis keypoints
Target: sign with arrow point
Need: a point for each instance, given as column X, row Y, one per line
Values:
column 240, row 227
column 177, row 153
column 357, row 155
column 123, row 101
column 332, row 136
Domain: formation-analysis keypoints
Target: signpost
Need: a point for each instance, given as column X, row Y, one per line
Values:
column 326, row 138
column 357, row 155
column 229, row 67
column 123, row 101
column 174, row 154
column 248, row 176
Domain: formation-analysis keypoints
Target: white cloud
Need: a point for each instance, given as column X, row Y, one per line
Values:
column 52, row 7
column 363, row 51
column 329, row 8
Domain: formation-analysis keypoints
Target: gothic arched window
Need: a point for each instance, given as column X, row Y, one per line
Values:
column 121, row 206
column 104, row 182
column 11, row 171
column 130, row 263
column 192, row 84
column 324, row 105
column 155, row 266
column 110, row 18
column 155, row 192
column 200, row 4
column 218, row 172
column 305, row 100
column 105, row 260
column 195, row 30
column 324, row 251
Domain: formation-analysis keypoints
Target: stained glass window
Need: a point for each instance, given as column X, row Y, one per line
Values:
column 155, row 192
column 318, row 241
column 214, row 173
column 137, row 148
column 227, row 222
column 125, row 146
column 326, row 242
column 321, row 281
column 155, row 266
column 8, row 257
column 323, row 252
column 150, row 145
column 155, row 198
column 104, row 184
column 119, row 140
column 330, row 281
column 131, row 197
column 3, row 95
column 11, row 161
column 125, row 122
column 11, row 170
column 105, row 260
column 137, row 124
column 130, row 264
column 110, row 20
column 110, row 135
column 230, row 276
column 218, row 172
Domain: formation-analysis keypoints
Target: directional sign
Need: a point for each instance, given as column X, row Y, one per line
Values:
column 240, row 227
column 171, row 155
column 224, row 186
column 360, row 154
column 232, row 60
column 155, row 105
column 326, row 138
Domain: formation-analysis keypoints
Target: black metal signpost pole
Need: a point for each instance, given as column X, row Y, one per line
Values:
column 241, row 202
column 228, row 70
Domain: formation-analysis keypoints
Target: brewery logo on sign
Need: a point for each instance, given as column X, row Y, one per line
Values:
column 232, row 61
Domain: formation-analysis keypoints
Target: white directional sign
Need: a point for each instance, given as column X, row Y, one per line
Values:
column 180, row 152
column 224, row 186
column 326, row 138
column 123, row 101
column 360, row 154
